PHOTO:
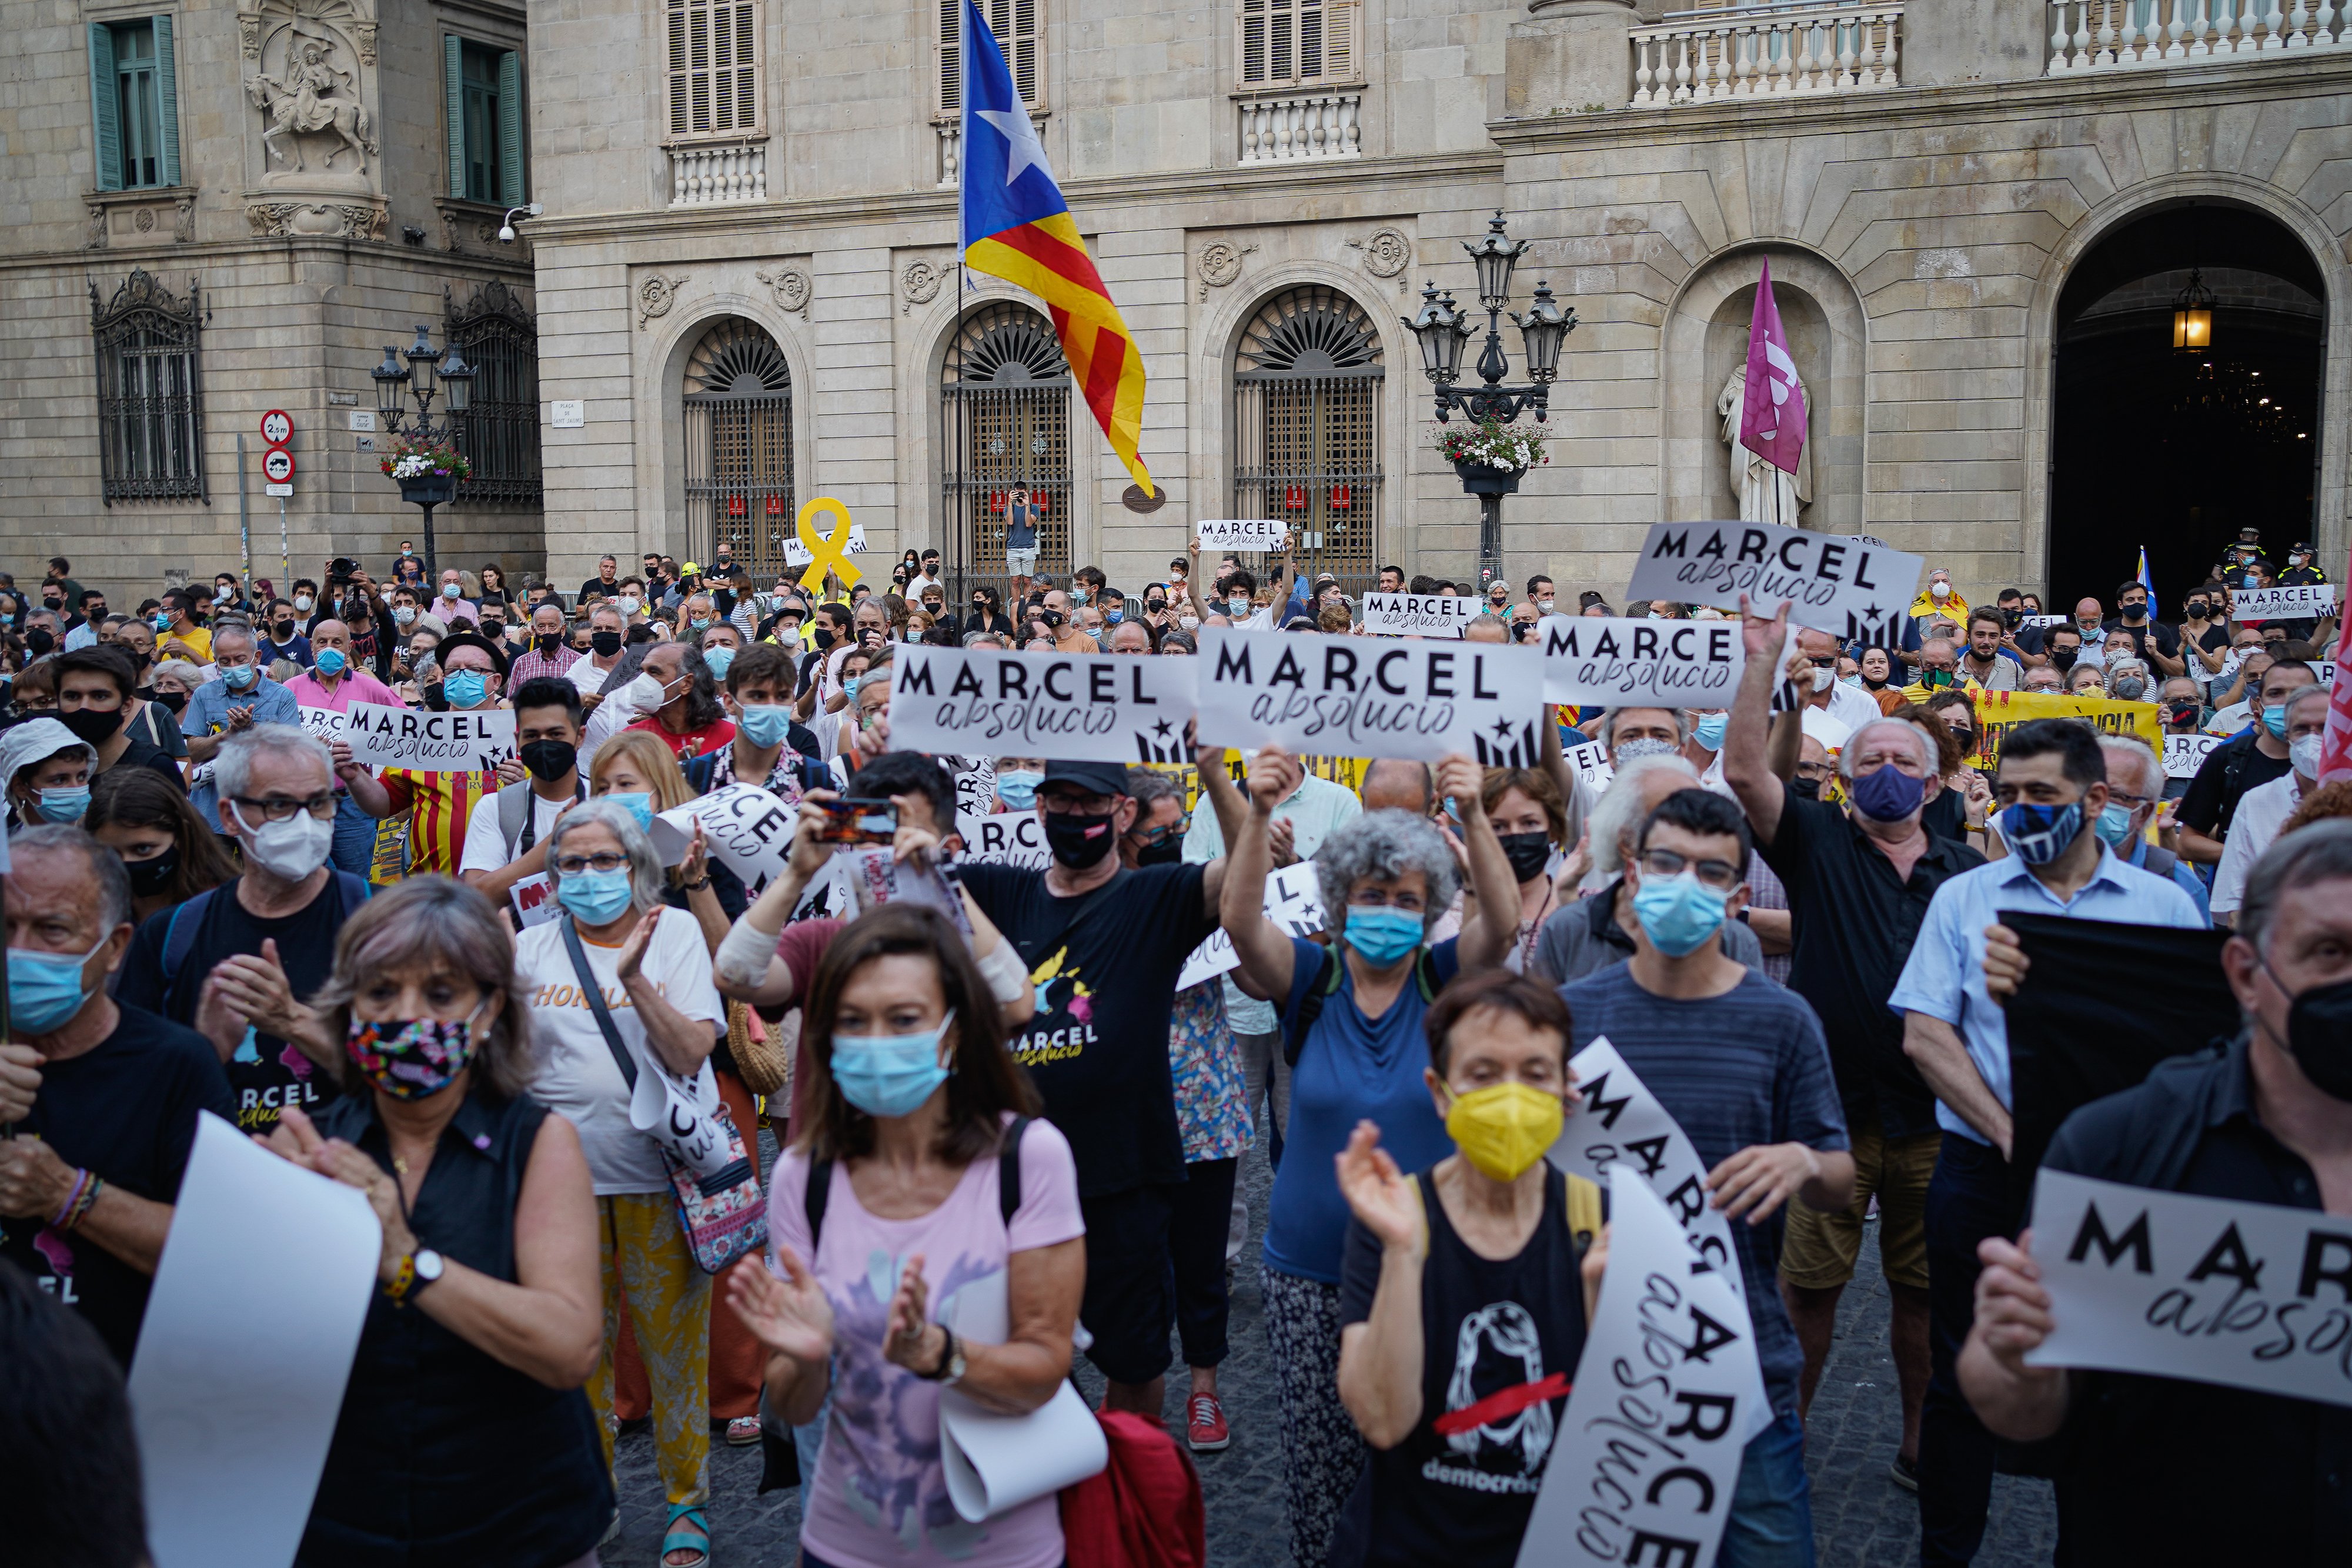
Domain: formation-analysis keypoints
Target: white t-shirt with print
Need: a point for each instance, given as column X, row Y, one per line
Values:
column 486, row 841
column 580, row 1079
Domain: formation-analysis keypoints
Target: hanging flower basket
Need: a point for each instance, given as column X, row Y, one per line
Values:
column 1484, row 479
column 1491, row 456
column 427, row 475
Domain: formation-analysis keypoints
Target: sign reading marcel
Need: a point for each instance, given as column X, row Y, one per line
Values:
column 1075, row 707
column 1615, row 661
column 1339, row 697
column 1852, row 588
column 1419, row 615
column 472, row 741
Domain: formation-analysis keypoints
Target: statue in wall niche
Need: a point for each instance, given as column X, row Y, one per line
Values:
column 1767, row 494
column 314, row 96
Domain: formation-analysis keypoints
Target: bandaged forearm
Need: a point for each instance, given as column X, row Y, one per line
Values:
column 742, row 957
column 1007, row 977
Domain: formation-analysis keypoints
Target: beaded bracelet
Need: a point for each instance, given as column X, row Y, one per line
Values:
column 81, row 1182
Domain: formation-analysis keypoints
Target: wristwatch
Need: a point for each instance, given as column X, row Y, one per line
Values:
column 418, row 1269
column 949, row 1370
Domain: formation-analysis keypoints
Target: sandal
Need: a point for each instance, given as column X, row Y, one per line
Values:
column 743, row 1431
column 696, row 1540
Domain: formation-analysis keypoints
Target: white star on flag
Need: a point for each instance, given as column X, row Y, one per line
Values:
column 1013, row 123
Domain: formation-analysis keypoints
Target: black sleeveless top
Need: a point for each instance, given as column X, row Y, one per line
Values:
column 441, row 1455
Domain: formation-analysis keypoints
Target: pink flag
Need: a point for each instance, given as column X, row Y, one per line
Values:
column 2336, row 750
column 1772, row 418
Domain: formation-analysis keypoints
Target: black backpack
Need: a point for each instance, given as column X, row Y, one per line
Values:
column 1325, row 985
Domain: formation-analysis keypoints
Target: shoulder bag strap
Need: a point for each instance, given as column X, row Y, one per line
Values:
column 1008, row 1169
column 179, row 937
column 596, row 1003
column 812, row 1202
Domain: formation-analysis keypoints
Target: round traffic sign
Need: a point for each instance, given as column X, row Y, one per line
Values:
column 276, row 428
column 277, row 465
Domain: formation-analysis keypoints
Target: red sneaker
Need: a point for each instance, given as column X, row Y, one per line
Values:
column 1206, row 1431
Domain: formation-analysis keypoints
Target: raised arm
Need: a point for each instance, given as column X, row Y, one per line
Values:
column 746, row 966
column 1230, row 807
column 1489, row 929
column 1745, row 767
column 1265, row 953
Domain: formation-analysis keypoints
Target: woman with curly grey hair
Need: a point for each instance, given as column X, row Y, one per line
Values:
column 464, row 1435
column 1351, row 1028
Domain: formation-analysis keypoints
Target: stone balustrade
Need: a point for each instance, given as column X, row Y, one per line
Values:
column 1768, row 53
column 1302, row 125
column 2127, row 35
column 704, row 173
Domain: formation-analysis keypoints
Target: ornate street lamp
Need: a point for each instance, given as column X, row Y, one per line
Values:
column 1441, row 329
column 430, row 373
column 2192, row 315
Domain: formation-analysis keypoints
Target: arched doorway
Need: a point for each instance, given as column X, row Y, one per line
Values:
column 2177, row 449
column 738, row 402
column 1005, row 416
column 1307, row 428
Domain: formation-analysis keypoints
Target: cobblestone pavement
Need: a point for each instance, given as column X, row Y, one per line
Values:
column 1862, row 1519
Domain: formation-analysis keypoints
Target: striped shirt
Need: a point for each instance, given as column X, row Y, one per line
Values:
column 439, row 806
column 535, row 665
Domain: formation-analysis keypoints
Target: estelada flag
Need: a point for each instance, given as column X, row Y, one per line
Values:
column 1772, row 415
column 1016, row 226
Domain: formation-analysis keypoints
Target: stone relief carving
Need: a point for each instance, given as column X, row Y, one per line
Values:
column 183, row 220
column 331, row 220
column 1766, row 494
column 656, row 296
column 918, row 284
column 790, row 286
column 314, row 96
column 1220, row 264
column 466, row 225
column 1387, row 253
column 143, row 220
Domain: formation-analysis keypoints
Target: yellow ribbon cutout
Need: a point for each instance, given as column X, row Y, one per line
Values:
column 826, row 554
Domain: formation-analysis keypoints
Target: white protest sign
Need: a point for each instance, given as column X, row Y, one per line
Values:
column 2248, row 1295
column 681, row 1115
column 1294, row 902
column 797, row 553
column 1075, row 708
column 2024, row 620
column 1590, row 761
column 534, row 900
column 1617, row 660
column 1419, row 615
column 1240, row 533
column 2300, row 601
column 1855, row 588
column 233, row 1426
column 1338, row 697
column 2185, row 754
column 326, row 723
column 473, row 741
column 975, row 784
column 1648, row 1453
column 747, row 830
column 993, row 1461
column 1003, row 838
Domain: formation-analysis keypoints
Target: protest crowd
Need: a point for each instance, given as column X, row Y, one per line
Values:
column 821, row 1018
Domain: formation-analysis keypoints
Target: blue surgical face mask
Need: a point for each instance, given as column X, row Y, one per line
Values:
column 465, row 688
column 1017, row 787
column 1710, row 729
column 330, row 662
column 161, row 620
column 849, row 687
column 2274, row 720
column 764, row 725
column 1384, row 934
column 44, row 989
column 2040, row 834
column 719, row 659
column 2114, row 824
column 595, row 897
column 1886, row 793
column 1114, row 616
column 889, row 1074
column 1678, row 913
column 238, row 676
column 639, row 804
column 1237, row 607
column 66, row 805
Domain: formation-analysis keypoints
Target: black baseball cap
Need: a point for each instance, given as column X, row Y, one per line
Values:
column 1095, row 777
column 471, row 640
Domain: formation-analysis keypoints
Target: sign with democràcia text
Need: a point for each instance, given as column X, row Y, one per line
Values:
column 1075, row 708
column 2298, row 602
column 1419, row 615
column 1294, row 902
column 746, row 830
column 1003, row 838
column 2185, row 754
column 1240, row 533
column 1855, row 588
column 1647, row 1457
column 1615, row 661
column 471, row 741
column 2248, row 1295
column 1345, row 696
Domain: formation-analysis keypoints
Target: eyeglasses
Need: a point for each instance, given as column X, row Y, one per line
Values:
column 2129, row 802
column 1823, row 662
column 1718, row 874
column 279, row 809
column 572, row 865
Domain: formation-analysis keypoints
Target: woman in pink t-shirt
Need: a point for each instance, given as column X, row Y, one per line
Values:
column 913, row 1089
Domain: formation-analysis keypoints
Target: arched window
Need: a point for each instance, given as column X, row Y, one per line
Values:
column 1307, row 427
column 1004, row 406
column 739, row 447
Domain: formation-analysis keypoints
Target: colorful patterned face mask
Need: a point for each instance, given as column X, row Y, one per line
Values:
column 410, row 1059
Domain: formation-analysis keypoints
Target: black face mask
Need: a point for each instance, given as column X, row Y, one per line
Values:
column 1871, row 684
column 1080, row 839
column 150, row 877
column 173, row 701
column 2183, row 714
column 38, row 642
column 2063, row 657
column 2319, row 1034
column 1805, row 789
column 95, row 726
column 2134, row 612
column 607, row 644
column 549, row 760
column 1527, row 853
column 283, row 631
column 548, row 641
column 824, row 637
column 1167, row 852
column 2198, row 609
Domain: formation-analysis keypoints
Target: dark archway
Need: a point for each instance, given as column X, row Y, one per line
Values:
column 2176, row 451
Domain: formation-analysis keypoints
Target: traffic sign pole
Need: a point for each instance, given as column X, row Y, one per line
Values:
column 244, row 518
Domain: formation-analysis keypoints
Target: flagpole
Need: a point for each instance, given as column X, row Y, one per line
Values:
column 967, row 543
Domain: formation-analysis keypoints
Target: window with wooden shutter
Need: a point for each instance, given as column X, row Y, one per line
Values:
column 134, row 104
column 484, row 89
column 1019, row 26
column 714, row 68
column 1296, row 43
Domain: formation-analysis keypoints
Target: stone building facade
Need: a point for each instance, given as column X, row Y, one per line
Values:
column 223, row 207
column 1266, row 183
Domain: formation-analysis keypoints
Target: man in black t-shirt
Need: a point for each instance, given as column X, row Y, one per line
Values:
column 1104, row 945
column 2255, row 758
column 232, row 964
column 2131, row 618
column 104, row 1097
column 606, row 583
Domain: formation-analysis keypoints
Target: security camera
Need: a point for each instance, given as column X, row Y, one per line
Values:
column 506, row 229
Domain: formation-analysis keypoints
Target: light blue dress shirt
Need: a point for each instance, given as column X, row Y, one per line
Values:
column 1944, row 976
column 208, row 714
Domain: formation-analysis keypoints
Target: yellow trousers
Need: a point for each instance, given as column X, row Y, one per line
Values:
column 644, row 1256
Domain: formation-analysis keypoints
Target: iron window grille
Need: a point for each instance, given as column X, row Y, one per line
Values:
column 499, row 432
column 1307, row 429
column 739, row 448
column 1004, row 407
column 151, row 415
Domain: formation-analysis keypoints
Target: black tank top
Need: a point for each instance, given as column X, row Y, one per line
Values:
column 444, row 1456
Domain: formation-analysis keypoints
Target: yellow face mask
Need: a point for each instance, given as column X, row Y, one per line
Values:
column 1504, row 1128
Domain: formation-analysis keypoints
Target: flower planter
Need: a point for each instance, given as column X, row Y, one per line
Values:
column 1479, row 479
column 432, row 490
